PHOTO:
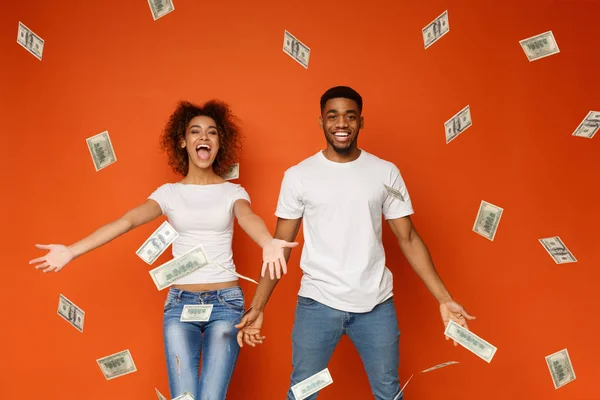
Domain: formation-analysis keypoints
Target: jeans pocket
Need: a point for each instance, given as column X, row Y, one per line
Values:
column 305, row 301
column 233, row 302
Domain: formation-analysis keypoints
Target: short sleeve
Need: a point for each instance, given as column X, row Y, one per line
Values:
column 240, row 193
column 289, row 204
column 161, row 196
column 393, row 207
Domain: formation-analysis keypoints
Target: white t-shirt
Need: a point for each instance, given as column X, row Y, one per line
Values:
column 202, row 214
column 343, row 259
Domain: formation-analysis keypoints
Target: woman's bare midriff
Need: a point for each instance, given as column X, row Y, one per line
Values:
column 206, row 287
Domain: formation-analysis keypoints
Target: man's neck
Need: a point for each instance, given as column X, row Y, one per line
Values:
column 334, row 156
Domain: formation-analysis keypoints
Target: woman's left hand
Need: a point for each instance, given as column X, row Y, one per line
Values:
column 273, row 257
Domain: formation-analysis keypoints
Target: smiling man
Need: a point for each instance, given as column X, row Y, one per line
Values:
column 346, row 288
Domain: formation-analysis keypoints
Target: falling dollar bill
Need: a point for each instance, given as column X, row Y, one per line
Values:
column 557, row 250
column 232, row 173
column 166, row 274
column 394, row 192
column 30, row 41
column 157, row 243
column 470, row 341
column 312, row 384
column 403, row 387
column 160, row 8
column 185, row 396
column 70, row 312
column 296, row 49
column 458, row 124
column 488, row 218
column 561, row 368
column 539, row 46
column 442, row 365
column 101, row 150
column 436, row 29
column 589, row 126
column 196, row 312
column 116, row 365
column 159, row 394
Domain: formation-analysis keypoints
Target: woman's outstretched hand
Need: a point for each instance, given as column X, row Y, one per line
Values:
column 273, row 257
column 57, row 257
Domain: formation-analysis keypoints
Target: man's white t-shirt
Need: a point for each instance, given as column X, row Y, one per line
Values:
column 202, row 215
column 343, row 259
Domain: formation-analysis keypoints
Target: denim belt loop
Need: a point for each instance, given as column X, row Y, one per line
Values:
column 179, row 296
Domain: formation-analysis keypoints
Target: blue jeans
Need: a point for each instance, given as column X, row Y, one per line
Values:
column 215, row 340
column 375, row 334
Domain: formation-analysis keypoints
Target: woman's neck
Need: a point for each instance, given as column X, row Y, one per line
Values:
column 197, row 176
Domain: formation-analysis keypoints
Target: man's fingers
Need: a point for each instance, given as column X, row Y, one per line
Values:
column 239, row 338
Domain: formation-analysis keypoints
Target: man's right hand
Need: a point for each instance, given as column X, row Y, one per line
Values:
column 249, row 328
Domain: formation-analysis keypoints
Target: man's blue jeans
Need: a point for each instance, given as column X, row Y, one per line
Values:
column 214, row 340
column 375, row 334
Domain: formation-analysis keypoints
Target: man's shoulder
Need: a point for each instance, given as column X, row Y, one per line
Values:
column 379, row 162
column 303, row 166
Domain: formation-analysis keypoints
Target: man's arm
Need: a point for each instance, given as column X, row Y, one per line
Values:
column 286, row 229
column 418, row 257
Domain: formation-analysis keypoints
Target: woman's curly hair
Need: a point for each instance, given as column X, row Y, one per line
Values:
column 229, row 135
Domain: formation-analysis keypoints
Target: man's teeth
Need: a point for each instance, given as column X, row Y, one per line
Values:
column 342, row 134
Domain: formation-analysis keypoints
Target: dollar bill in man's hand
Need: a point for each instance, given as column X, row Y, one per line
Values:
column 166, row 274
column 458, row 124
column 488, row 218
column 101, row 150
column 160, row 8
column 196, row 313
column 157, row 243
column 30, row 41
column 561, row 368
column 117, row 364
column 70, row 312
column 557, row 250
column 296, row 49
column 589, row 126
column 539, row 46
column 470, row 341
column 436, row 29
column 159, row 395
column 185, row 396
column 312, row 384
column 232, row 173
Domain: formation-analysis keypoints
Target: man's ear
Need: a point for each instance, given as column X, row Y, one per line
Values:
column 362, row 122
column 321, row 122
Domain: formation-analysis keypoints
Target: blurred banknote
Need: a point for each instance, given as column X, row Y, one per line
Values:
column 185, row 396
column 159, row 395
column 296, row 49
column 539, row 46
column 557, row 250
column 157, row 243
column 166, row 274
column 116, row 365
column 30, row 41
column 101, row 150
column 436, row 29
column 488, row 218
column 442, row 365
column 196, row 312
column 70, row 312
column 561, row 368
column 470, row 341
column 160, row 8
column 458, row 124
column 232, row 173
column 394, row 192
column 589, row 126
column 312, row 384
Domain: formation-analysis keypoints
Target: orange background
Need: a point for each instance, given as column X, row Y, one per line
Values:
column 108, row 66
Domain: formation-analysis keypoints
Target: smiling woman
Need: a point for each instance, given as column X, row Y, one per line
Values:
column 202, row 141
